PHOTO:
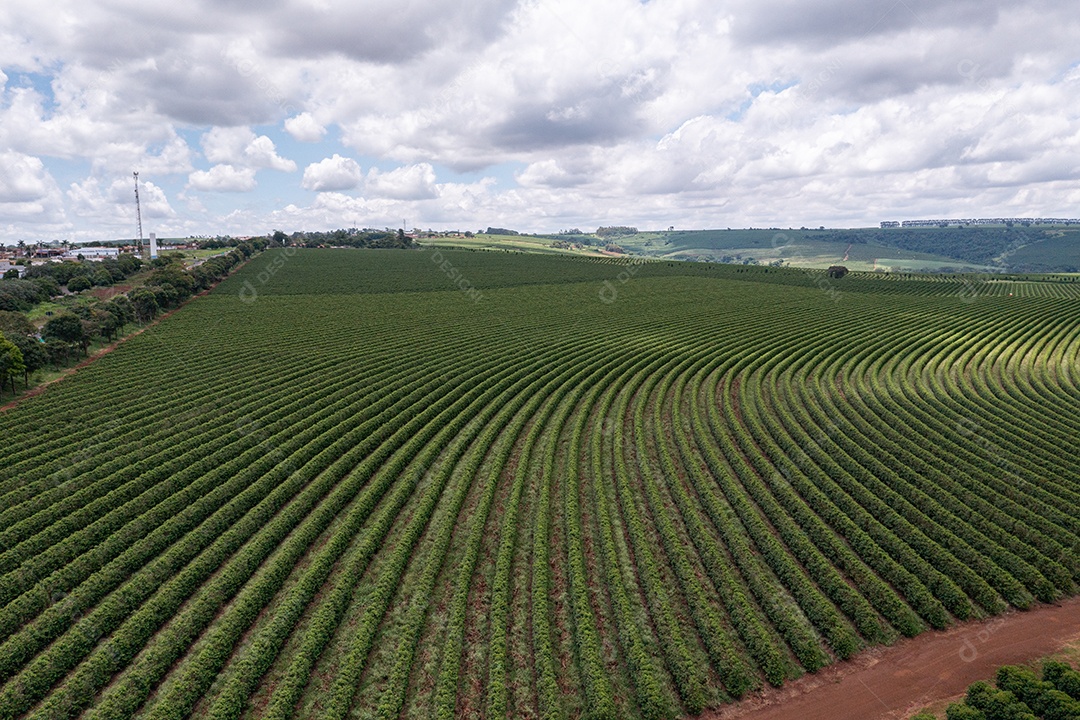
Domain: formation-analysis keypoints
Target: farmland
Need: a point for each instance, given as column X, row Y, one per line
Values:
column 381, row 484
column 995, row 249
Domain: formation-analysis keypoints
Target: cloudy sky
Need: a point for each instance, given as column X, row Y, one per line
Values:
column 245, row 116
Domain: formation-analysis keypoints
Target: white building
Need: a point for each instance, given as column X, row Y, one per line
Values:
column 5, row 266
column 96, row 253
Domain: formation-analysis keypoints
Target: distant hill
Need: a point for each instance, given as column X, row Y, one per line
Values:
column 1057, row 251
column 1017, row 249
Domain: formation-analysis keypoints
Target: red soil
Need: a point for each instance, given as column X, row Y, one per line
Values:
column 107, row 293
column 895, row 682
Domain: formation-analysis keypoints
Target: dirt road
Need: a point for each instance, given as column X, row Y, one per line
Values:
column 893, row 682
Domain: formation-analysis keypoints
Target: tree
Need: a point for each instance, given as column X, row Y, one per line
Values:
column 166, row 295
column 996, row 704
column 167, row 259
column 616, row 231
column 47, row 286
column 120, row 308
column 12, row 274
column 129, row 264
column 180, row 280
column 91, row 318
column 21, row 295
column 14, row 324
column 110, row 267
column 66, row 328
column 144, row 303
column 33, row 353
column 960, row 711
column 11, row 362
column 837, row 271
column 57, row 352
column 79, row 283
column 107, row 323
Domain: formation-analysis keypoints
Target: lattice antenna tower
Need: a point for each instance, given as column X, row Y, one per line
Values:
column 138, row 207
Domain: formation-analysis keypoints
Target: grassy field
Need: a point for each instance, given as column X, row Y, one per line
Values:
column 42, row 311
column 438, row 483
column 516, row 243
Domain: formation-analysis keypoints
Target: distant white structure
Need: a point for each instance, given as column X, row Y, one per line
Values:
column 153, row 246
column 5, row 266
column 990, row 221
column 93, row 253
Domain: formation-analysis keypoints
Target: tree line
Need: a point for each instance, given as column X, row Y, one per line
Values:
column 1020, row 694
column 24, row 349
column 44, row 281
column 351, row 237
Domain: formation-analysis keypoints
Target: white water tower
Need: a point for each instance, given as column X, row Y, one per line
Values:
column 153, row 246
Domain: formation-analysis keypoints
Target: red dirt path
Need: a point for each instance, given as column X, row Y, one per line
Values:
column 894, row 682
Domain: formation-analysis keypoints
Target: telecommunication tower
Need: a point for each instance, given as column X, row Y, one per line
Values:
column 138, row 207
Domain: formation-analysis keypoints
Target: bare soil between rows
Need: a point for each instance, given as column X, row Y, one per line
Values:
column 889, row 683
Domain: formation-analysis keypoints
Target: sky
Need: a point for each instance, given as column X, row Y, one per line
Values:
column 248, row 116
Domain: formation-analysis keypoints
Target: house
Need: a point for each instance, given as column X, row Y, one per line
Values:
column 5, row 266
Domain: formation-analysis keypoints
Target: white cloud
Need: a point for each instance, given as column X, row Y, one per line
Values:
column 262, row 153
column 226, row 145
column 152, row 199
column 81, row 121
column 114, row 206
column 28, row 191
column 223, row 178
column 239, row 146
column 332, row 173
column 412, row 182
column 563, row 173
column 171, row 158
column 305, row 128
column 22, row 178
column 685, row 112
